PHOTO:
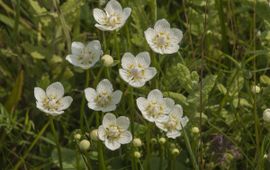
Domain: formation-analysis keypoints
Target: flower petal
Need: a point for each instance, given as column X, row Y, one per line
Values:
column 173, row 134
column 94, row 45
column 123, row 122
column 108, row 119
column 162, row 25
column 77, row 48
column 55, row 90
column 100, row 16
column 150, row 73
column 39, row 94
column 155, row 95
column 112, row 7
column 101, row 133
column 104, row 86
column 112, row 145
column 90, row 94
column 149, row 35
column 176, row 35
column 126, row 12
column 177, row 111
column 128, row 60
column 116, row 96
column 137, row 83
column 169, row 104
column 141, row 103
column 143, row 59
column 173, row 48
column 125, row 137
column 124, row 74
column 108, row 108
column 65, row 102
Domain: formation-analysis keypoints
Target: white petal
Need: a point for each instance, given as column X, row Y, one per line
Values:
column 150, row 73
column 94, row 45
column 125, row 137
column 177, row 111
column 173, row 48
column 101, row 133
column 104, row 86
column 112, row 145
column 39, row 94
column 147, row 116
column 184, row 121
column 52, row 113
column 176, row 35
column 104, row 28
column 108, row 108
column 143, row 59
column 141, row 103
column 155, row 95
column 116, row 96
column 123, row 122
column 126, row 13
column 90, row 94
column 137, row 83
column 55, row 89
column 162, row 25
column 100, row 16
column 77, row 48
column 161, row 124
column 173, row 134
column 108, row 120
column 149, row 35
column 93, row 106
column 128, row 60
column 169, row 104
column 124, row 74
column 113, row 6
column 65, row 102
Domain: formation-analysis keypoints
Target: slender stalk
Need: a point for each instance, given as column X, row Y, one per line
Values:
column 148, row 148
column 161, row 157
column 191, row 154
column 82, row 113
column 17, row 166
column 57, row 144
column 132, row 109
column 116, row 46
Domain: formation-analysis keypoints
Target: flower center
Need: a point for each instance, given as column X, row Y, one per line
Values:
column 113, row 20
column 51, row 103
column 103, row 99
column 162, row 40
column 155, row 109
column 86, row 57
column 172, row 123
column 113, row 132
column 136, row 73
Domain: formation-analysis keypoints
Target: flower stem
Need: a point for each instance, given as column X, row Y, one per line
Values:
column 57, row 143
column 82, row 113
column 148, row 149
column 17, row 166
column 161, row 157
column 132, row 109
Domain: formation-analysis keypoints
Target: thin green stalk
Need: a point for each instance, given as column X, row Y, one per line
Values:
column 132, row 109
column 161, row 157
column 116, row 46
column 17, row 166
column 148, row 147
column 191, row 154
column 57, row 144
column 82, row 113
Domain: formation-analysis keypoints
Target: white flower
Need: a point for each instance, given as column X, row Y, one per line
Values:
column 85, row 56
column 52, row 101
column 266, row 115
column 173, row 123
column 112, row 18
column 114, row 131
column 163, row 39
column 155, row 107
column 103, row 98
column 136, row 71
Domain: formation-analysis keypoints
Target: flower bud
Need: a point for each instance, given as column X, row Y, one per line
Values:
column 266, row 115
column 77, row 136
column 137, row 154
column 94, row 135
column 175, row 152
column 107, row 60
column 84, row 145
column 255, row 89
column 162, row 140
column 195, row 130
column 154, row 140
column 137, row 142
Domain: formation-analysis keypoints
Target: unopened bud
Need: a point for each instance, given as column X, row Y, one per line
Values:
column 107, row 60
column 162, row 140
column 94, row 134
column 195, row 130
column 266, row 115
column 84, row 145
column 137, row 154
column 77, row 136
column 255, row 89
column 137, row 142
column 175, row 151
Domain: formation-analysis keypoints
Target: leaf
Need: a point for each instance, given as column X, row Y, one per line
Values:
column 264, row 79
column 16, row 92
column 37, row 8
column 179, row 98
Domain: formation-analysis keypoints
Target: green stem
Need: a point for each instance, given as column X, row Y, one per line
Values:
column 57, row 143
column 191, row 154
column 132, row 109
column 82, row 109
column 148, row 149
column 161, row 157
column 17, row 166
column 116, row 47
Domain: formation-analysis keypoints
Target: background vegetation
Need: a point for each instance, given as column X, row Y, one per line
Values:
column 224, row 53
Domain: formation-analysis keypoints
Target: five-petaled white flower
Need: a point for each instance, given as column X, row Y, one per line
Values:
column 103, row 98
column 136, row 71
column 163, row 39
column 114, row 131
column 52, row 101
column 173, row 123
column 112, row 18
column 85, row 56
column 155, row 107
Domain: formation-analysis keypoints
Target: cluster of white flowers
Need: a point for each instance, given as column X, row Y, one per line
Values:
column 163, row 112
column 136, row 71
